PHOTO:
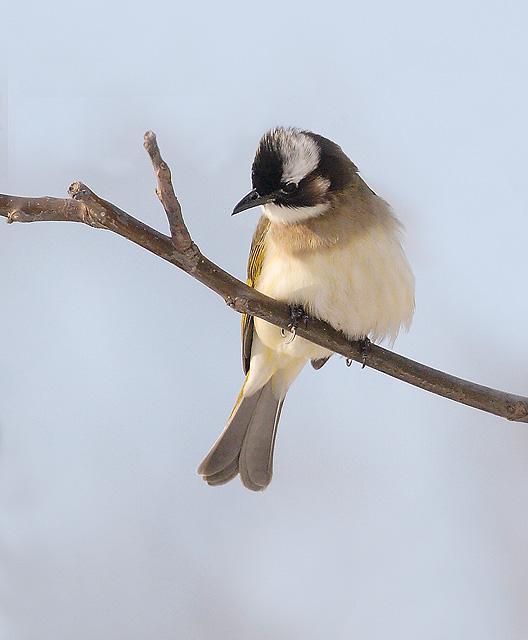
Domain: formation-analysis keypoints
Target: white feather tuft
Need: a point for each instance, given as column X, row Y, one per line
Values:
column 292, row 215
column 300, row 154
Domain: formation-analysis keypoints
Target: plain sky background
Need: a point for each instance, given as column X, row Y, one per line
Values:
column 392, row 513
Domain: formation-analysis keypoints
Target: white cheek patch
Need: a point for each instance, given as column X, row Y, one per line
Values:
column 300, row 155
column 292, row 215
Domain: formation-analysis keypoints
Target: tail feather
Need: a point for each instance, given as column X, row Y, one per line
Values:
column 246, row 444
column 224, row 475
column 256, row 454
column 227, row 448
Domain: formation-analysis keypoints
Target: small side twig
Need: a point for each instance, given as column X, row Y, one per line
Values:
column 181, row 237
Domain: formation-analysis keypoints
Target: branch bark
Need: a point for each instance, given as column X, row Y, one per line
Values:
column 179, row 249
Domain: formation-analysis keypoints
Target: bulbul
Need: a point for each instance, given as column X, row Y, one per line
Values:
column 325, row 243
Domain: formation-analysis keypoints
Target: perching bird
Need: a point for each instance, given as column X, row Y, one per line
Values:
column 325, row 243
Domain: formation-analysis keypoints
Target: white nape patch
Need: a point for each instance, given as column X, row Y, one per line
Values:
column 300, row 154
column 292, row 215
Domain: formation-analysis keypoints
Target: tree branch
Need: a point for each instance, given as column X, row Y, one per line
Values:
column 179, row 249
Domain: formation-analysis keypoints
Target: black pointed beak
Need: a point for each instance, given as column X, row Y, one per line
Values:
column 253, row 199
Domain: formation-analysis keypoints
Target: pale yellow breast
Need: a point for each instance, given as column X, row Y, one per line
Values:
column 362, row 287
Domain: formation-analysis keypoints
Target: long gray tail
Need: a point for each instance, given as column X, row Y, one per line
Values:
column 246, row 444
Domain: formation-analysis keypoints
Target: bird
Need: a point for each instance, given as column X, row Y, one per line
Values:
column 325, row 244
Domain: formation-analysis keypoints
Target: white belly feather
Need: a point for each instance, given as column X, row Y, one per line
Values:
column 364, row 288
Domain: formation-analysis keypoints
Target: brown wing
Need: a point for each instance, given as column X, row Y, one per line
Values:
column 256, row 256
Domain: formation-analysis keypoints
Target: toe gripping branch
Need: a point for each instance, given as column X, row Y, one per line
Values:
column 297, row 315
column 364, row 344
column 365, row 350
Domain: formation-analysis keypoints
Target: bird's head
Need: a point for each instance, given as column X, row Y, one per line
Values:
column 295, row 174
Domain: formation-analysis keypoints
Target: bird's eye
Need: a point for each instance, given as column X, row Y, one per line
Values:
column 288, row 187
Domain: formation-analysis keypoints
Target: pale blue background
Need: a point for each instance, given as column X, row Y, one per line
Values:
column 393, row 513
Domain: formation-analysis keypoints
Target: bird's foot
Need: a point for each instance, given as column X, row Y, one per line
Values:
column 297, row 315
column 364, row 343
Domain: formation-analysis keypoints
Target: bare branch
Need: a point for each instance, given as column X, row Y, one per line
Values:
column 179, row 249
